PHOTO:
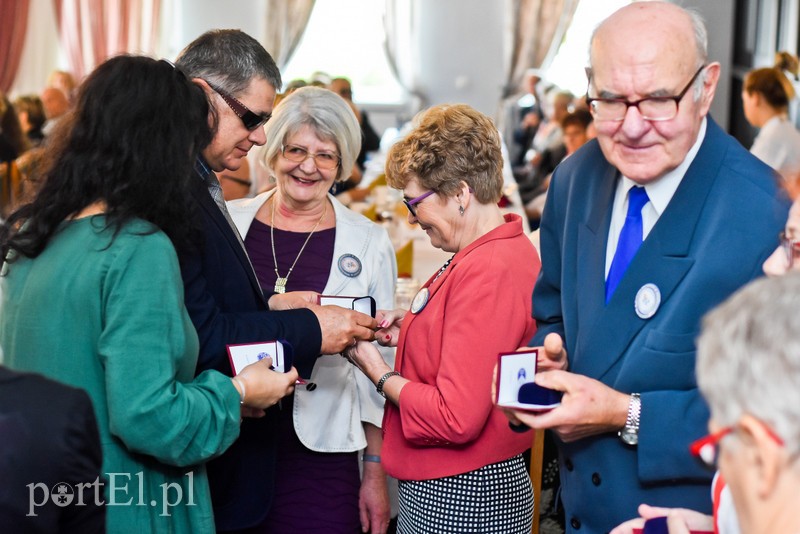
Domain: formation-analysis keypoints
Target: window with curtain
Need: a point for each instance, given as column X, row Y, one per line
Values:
column 346, row 38
column 568, row 67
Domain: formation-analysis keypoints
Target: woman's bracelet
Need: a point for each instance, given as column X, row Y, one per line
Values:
column 382, row 381
column 241, row 387
column 371, row 458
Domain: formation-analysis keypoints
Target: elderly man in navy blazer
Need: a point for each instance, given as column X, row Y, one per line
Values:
column 222, row 294
column 644, row 230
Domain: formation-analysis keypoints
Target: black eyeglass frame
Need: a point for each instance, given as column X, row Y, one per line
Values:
column 628, row 104
column 250, row 119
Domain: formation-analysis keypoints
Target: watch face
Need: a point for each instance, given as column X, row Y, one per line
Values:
column 628, row 437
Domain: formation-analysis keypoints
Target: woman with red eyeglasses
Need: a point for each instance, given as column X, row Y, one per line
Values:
column 748, row 369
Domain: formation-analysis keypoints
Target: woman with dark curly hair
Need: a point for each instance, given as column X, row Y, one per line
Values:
column 92, row 294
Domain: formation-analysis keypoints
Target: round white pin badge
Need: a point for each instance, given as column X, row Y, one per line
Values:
column 420, row 300
column 349, row 265
column 647, row 301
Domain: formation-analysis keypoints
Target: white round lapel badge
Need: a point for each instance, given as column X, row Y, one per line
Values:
column 349, row 265
column 420, row 300
column 647, row 301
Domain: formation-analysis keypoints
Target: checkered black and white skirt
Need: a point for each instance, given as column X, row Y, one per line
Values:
column 497, row 498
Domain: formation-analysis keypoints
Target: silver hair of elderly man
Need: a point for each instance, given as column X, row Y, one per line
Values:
column 748, row 358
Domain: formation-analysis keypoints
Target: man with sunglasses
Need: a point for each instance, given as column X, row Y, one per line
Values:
column 222, row 295
column 643, row 233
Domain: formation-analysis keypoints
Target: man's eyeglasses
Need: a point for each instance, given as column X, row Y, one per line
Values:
column 707, row 448
column 790, row 247
column 250, row 119
column 653, row 108
column 298, row 154
column 411, row 202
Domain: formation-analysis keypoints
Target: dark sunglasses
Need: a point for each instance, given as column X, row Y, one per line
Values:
column 250, row 119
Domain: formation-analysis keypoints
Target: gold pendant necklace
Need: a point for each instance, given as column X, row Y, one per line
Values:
column 280, row 282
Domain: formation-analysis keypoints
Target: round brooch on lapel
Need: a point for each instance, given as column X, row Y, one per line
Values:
column 349, row 265
column 647, row 301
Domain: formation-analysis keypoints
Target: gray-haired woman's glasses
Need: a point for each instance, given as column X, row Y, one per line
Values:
column 298, row 154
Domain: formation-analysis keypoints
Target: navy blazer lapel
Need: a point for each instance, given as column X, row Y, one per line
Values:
column 591, row 253
column 662, row 260
column 214, row 214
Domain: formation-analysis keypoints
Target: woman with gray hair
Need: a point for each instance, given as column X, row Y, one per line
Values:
column 300, row 238
column 748, row 368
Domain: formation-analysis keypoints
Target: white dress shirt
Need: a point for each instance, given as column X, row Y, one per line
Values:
column 659, row 192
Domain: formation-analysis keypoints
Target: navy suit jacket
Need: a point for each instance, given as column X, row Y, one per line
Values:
column 712, row 238
column 227, row 306
column 49, row 435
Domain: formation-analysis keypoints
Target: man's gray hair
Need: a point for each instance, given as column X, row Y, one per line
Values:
column 327, row 114
column 229, row 59
column 748, row 358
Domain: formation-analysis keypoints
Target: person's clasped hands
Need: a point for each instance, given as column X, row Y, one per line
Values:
column 366, row 356
column 340, row 327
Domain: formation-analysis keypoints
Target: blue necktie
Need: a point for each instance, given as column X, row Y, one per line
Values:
column 630, row 238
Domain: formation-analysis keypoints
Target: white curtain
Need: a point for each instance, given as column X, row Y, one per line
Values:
column 399, row 22
column 286, row 22
column 534, row 32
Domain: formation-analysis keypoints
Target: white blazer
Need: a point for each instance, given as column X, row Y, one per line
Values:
column 329, row 418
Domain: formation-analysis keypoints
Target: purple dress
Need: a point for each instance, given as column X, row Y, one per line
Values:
column 314, row 491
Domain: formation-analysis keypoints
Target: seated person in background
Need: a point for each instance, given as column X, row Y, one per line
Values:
column 370, row 140
column 50, row 437
column 30, row 112
column 577, row 128
column 65, row 82
column 529, row 112
column 236, row 183
column 547, row 147
column 294, row 85
column 765, row 96
column 13, row 141
column 56, row 104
